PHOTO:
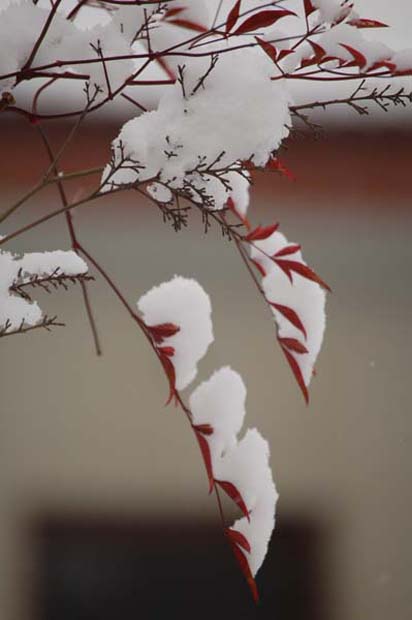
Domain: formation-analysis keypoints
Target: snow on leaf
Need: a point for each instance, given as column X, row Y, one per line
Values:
column 178, row 313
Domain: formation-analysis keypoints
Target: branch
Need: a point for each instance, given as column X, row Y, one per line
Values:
column 46, row 323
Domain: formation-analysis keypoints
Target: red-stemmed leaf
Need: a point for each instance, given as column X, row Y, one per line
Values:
column 297, row 373
column 172, row 12
column 383, row 64
column 259, row 267
column 291, row 316
column 238, row 538
column 318, row 51
column 290, row 266
column 263, row 19
column 269, row 49
column 359, row 59
column 293, row 345
column 162, row 331
column 245, row 568
column 283, row 53
column 366, row 23
column 207, row 459
column 234, row 494
column 309, row 8
column 168, row 351
column 205, row 429
column 276, row 164
column 261, row 232
column 288, row 249
column 233, row 16
column 171, row 375
column 187, row 23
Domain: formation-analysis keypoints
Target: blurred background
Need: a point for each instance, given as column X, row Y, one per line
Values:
column 104, row 511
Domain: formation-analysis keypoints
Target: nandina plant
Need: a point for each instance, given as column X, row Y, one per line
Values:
column 207, row 89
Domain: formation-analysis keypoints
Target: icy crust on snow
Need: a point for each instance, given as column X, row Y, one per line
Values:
column 220, row 402
column 21, row 23
column 184, row 303
column 194, row 143
column 14, row 310
column 305, row 297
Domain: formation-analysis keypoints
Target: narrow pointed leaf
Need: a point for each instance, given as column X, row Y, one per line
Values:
column 207, row 459
column 234, row 494
column 263, row 19
column 358, row 57
column 171, row 375
column 366, row 23
column 205, row 429
column 261, row 232
column 238, row 538
column 173, row 12
column 293, row 345
column 309, row 8
column 233, row 16
column 186, row 23
column 259, row 267
column 297, row 373
column 162, row 331
column 168, row 351
column 289, row 266
column 245, row 568
column 269, row 49
column 291, row 316
column 289, row 249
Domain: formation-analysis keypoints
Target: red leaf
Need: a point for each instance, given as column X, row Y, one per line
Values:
column 383, row 64
column 205, row 429
column 231, row 205
column 288, row 249
column 293, row 345
column 309, row 8
column 291, row 316
column 207, row 459
column 359, row 59
column 238, row 538
column 289, row 266
column 263, row 19
column 162, row 331
column 234, row 494
column 261, row 232
column 186, row 23
column 172, row 12
column 284, row 53
column 366, row 23
column 269, row 49
column 259, row 267
column 166, row 68
column 318, row 50
column 297, row 373
column 171, row 375
column 274, row 163
column 168, row 351
column 233, row 16
column 245, row 568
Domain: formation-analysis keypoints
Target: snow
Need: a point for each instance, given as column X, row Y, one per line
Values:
column 305, row 297
column 182, row 302
column 194, row 143
column 14, row 309
column 220, row 402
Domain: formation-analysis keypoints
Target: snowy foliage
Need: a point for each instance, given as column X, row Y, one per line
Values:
column 184, row 303
column 206, row 88
column 16, row 310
